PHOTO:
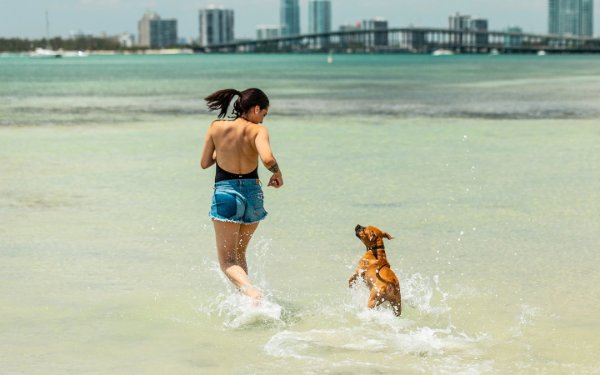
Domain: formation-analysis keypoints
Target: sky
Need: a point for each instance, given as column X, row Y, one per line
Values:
column 26, row 18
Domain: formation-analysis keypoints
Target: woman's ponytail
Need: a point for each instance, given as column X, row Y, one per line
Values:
column 220, row 100
column 247, row 99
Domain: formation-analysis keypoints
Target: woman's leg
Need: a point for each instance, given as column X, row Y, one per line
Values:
column 246, row 233
column 232, row 241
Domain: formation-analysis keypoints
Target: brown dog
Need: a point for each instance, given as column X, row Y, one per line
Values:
column 375, row 270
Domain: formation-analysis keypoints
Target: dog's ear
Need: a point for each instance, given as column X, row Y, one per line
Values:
column 387, row 235
column 372, row 235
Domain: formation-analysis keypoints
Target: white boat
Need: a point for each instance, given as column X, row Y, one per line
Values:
column 43, row 52
column 494, row 52
column 442, row 52
column 541, row 53
column 75, row 54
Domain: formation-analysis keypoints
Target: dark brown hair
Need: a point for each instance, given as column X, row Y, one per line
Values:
column 220, row 100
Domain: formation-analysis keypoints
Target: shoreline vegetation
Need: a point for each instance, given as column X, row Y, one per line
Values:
column 89, row 44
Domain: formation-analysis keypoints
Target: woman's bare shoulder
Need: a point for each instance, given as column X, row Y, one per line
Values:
column 218, row 125
column 218, row 122
column 256, row 129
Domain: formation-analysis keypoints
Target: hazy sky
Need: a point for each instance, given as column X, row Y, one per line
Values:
column 25, row 18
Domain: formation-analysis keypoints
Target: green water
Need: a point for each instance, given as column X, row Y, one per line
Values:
column 483, row 168
column 122, row 89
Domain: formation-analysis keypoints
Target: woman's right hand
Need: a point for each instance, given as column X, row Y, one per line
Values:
column 276, row 180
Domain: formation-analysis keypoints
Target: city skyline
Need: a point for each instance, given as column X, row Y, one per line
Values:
column 116, row 16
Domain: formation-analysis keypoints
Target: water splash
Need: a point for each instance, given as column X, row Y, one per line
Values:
column 424, row 294
column 238, row 310
column 526, row 318
column 244, row 312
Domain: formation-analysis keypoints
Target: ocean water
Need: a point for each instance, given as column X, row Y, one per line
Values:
column 483, row 168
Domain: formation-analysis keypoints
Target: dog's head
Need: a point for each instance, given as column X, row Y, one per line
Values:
column 371, row 236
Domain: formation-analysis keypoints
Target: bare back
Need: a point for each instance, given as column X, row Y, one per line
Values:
column 235, row 145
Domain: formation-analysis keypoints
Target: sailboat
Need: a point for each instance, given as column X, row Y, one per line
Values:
column 43, row 52
column 46, row 52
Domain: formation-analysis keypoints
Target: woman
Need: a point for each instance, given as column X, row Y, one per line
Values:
column 237, row 204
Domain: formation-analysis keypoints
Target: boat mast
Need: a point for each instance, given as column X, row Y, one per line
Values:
column 47, row 31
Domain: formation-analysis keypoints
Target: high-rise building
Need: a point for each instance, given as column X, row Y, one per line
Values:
column 571, row 17
column 477, row 27
column 319, row 16
column 379, row 36
column 267, row 32
column 155, row 32
column 319, row 20
column 144, row 28
column 290, row 17
column 356, row 39
column 481, row 25
column 216, row 25
column 513, row 40
column 459, row 21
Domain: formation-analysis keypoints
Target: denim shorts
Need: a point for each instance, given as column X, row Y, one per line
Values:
column 238, row 201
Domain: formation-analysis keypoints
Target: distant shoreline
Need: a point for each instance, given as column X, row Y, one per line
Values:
column 190, row 51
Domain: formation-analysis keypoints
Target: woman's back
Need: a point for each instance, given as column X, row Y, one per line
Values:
column 235, row 145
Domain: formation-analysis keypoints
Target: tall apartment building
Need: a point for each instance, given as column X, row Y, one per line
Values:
column 470, row 26
column 216, row 25
column 571, row 17
column 513, row 40
column 319, row 20
column 377, row 38
column 352, row 39
column 480, row 24
column 290, row 17
column 319, row 16
column 155, row 32
column 267, row 32
column 459, row 21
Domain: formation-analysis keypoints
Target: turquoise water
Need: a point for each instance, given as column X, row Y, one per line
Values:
column 483, row 168
column 141, row 88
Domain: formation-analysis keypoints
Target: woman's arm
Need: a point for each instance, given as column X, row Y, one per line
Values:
column 208, row 157
column 263, row 147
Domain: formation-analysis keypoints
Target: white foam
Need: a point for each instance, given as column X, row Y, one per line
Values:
column 417, row 342
column 242, row 312
column 424, row 294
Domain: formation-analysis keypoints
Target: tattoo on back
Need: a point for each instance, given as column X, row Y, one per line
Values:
column 274, row 168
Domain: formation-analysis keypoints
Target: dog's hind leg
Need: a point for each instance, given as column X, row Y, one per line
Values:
column 396, row 303
column 397, row 306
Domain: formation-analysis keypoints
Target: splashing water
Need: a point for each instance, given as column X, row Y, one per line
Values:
column 244, row 312
column 240, row 311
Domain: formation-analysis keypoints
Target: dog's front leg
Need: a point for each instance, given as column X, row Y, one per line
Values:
column 353, row 278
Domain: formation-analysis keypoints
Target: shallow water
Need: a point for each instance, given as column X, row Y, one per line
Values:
column 108, row 263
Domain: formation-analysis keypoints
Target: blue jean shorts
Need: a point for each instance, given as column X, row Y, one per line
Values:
column 238, row 201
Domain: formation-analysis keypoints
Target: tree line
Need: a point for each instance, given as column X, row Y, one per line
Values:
column 83, row 43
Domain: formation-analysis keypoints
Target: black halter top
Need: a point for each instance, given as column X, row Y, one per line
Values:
column 223, row 175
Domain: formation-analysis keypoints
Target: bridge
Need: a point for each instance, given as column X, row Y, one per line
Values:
column 413, row 40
